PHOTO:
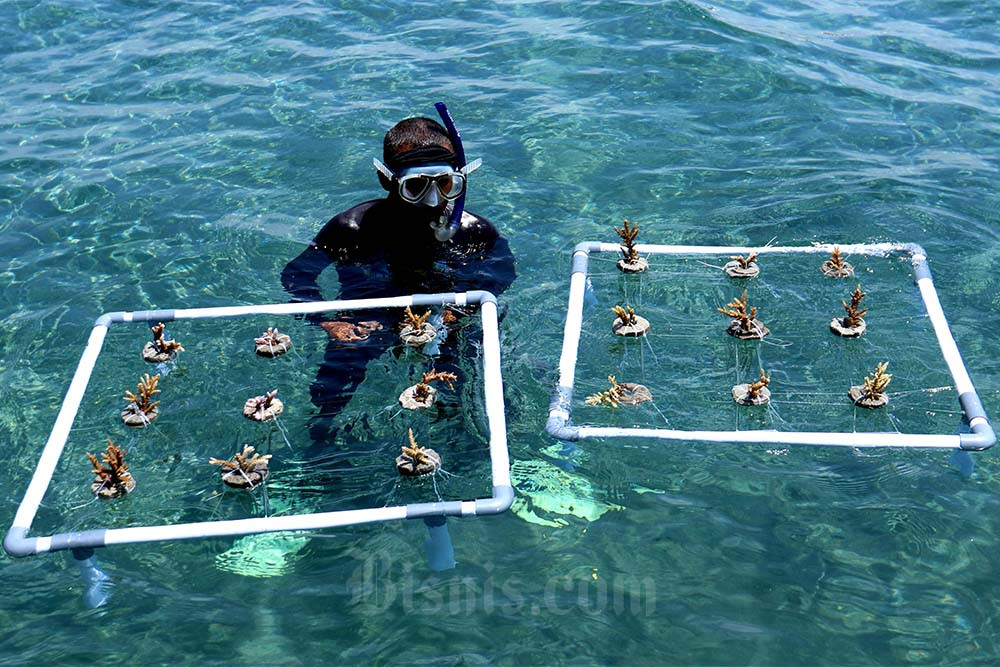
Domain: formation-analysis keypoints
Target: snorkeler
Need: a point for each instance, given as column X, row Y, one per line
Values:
column 417, row 239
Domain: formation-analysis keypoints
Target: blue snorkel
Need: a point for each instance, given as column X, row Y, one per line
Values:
column 445, row 232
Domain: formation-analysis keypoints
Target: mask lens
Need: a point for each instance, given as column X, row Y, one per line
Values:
column 412, row 188
column 450, row 185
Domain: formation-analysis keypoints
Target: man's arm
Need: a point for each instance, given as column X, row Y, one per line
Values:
column 299, row 277
column 488, row 263
column 336, row 241
column 496, row 271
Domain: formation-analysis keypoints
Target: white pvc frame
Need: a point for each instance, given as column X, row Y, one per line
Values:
column 17, row 542
column 560, row 424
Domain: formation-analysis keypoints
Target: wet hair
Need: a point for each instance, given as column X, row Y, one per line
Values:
column 417, row 141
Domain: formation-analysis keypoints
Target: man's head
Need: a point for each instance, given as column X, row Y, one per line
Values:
column 420, row 164
column 417, row 141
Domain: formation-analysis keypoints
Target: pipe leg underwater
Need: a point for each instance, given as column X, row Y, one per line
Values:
column 440, row 552
column 97, row 582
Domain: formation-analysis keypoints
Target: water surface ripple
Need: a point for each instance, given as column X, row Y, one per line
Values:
column 180, row 154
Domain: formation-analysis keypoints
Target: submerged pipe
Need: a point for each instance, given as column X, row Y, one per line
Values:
column 558, row 424
column 438, row 547
column 982, row 436
column 97, row 582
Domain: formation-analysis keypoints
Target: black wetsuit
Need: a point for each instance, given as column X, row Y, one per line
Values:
column 385, row 248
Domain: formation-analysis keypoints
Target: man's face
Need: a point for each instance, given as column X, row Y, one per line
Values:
column 430, row 186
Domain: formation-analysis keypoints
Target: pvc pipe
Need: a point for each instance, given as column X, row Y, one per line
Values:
column 438, row 547
column 97, row 583
column 255, row 525
column 17, row 542
column 916, row 440
column 982, row 437
column 952, row 357
column 493, row 391
column 574, row 319
column 559, row 423
column 877, row 249
column 500, row 502
column 297, row 308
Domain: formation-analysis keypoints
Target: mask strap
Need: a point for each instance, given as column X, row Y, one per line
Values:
column 472, row 166
column 382, row 169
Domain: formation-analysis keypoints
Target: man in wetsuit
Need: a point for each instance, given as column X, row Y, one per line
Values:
column 418, row 239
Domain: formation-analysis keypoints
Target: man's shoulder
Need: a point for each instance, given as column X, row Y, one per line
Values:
column 351, row 220
column 345, row 230
column 475, row 227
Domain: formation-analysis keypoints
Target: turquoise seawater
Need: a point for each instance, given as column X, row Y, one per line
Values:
column 178, row 154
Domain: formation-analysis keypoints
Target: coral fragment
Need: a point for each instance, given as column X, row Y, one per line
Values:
column 160, row 349
column 835, row 266
column 630, row 261
column 872, row 393
column 744, row 324
column 113, row 479
column 246, row 470
column 272, row 343
column 416, row 460
column 263, row 408
column 625, row 393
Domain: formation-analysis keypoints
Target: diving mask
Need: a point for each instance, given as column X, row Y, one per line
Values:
column 427, row 184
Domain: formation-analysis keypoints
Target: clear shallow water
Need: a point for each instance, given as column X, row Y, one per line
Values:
column 182, row 155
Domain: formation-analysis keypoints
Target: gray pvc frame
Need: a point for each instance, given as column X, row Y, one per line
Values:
column 560, row 424
column 18, row 543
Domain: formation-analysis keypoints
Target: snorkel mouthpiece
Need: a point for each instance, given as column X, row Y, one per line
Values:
column 443, row 232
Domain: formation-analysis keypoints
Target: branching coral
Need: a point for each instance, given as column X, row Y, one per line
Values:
column 836, row 259
column 835, row 266
column 627, row 393
column 754, row 393
column 140, row 410
column 854, row 315
column 853, row 324
column 754, row 390
column 422, row 394
column 414, row 452
column 625, row 315
column 146, row 389
column 416, row 322
column 627, row 235
column 423, row 389
column 876, row 382
column 744, row 324
column 737, row 309
column 742, row 267
column 630, row 261
column 417, row 460
column 627, row 323
column 163, row 345
column 415, row 331
column 113, row 479
column 612, row 396
column 744, row 263
column 872, row 393
column 245, row 470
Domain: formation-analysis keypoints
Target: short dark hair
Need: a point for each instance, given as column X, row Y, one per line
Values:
column 414, row 133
